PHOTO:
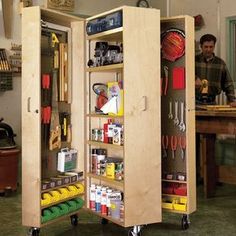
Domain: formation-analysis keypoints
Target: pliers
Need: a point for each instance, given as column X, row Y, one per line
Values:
column 164, row 143
column 182, row 145
column 173, row 143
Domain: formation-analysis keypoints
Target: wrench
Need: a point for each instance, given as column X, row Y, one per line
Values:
column 170, row 115
column 176, row 120
column 182, row 126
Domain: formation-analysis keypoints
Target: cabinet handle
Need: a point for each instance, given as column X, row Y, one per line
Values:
column 144, row 103
column 28, row 104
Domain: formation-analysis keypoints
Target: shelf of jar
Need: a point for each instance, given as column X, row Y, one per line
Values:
column 107, row 68
column 118, row 184
column 97, row 115
column 105, row 145
column 116, row 221
column 109, row 35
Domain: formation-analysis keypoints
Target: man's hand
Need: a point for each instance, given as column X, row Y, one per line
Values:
column 198, row 83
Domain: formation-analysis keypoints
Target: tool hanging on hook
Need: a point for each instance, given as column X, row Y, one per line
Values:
column 165, row 143
column 164, row 81
column 173, row 143
column 182, row 145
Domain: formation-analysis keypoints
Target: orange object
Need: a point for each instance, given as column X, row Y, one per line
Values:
column 8, row 169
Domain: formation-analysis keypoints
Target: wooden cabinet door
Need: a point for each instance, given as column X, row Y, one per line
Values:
column 31, row 117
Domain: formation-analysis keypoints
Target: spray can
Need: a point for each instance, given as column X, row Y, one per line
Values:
column 94, row 161
column 92, row 197
column 109, row 192
column 104, row 201
column 98, row 199
column 101, row 154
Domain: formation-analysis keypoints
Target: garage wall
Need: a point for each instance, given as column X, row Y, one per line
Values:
column 214, row 12
column 10, row 101
column 208, row 9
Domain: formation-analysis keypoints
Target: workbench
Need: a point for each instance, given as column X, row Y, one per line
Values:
column 209, row 124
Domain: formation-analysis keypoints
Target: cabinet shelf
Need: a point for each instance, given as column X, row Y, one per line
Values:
column 109, row 35
column 61, row 186
column 60, row 218
column 173, row 195
column 105, row 145
column 108, row 68
column 95, row 115
column 63, row 200
column 118, row 184
column 174, row 181
column 118, row 222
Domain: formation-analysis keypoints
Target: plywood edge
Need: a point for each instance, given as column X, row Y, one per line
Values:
column 31, row 153
column 142, row 160
column 105, row 13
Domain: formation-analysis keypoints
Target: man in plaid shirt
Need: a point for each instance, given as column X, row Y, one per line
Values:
column 211, row 73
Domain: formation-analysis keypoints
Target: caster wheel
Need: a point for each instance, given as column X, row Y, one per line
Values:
column 185, row 222
column 132, row 233
column 34, row 232
column 104, row 221
column 74, row 220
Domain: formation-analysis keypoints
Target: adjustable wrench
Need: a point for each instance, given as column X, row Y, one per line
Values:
column 182, row 126
column 176, row 120
column 170, row 115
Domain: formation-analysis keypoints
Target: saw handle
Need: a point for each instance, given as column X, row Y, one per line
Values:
column 55, row 138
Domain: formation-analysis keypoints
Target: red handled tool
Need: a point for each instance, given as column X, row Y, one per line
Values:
column 173, row 144
column 46, row 117
column 182, row 145
column 165, row 143
column 46, row 87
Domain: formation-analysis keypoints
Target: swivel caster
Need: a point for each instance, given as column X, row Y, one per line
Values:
column 136, row 231
column 74, row 220
column 185, row 222
column 34, row 231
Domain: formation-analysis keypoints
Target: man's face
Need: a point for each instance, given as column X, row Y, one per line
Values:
column 208, row 49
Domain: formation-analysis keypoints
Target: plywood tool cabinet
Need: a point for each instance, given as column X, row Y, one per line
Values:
column 178, row 118
column 120, row 151
column 139, row 73
column 139, row 152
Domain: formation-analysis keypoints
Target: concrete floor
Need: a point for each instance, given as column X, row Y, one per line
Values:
column 215, row 216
